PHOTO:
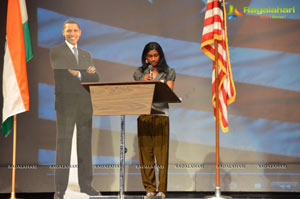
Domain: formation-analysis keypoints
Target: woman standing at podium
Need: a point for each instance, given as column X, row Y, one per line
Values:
column 153, row 130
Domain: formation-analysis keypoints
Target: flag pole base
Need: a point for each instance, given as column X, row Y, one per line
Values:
column 13, row 196
column 217, row 195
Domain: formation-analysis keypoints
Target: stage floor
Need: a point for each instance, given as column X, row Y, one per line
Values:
column 177, row 195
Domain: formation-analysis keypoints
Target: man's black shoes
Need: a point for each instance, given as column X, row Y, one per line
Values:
column 90, row 191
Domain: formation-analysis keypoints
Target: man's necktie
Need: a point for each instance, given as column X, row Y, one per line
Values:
column 75, row 53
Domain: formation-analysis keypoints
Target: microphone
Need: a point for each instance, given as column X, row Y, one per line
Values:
column 150, row 68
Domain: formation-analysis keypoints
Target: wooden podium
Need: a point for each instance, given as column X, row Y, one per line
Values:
column 128, row 98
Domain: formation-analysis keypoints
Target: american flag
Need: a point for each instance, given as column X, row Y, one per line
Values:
column 215, row 29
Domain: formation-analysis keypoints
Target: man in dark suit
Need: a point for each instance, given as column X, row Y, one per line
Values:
column 71, row 66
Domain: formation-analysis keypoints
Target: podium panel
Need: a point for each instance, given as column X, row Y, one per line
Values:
column 131, row 99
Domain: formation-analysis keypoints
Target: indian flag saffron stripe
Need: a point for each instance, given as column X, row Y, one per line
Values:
column 18, row 49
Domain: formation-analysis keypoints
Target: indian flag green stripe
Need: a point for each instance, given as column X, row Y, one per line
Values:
column 7, row 125
column 27, row 41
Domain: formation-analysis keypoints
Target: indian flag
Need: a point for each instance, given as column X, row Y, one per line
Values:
column 18, row 51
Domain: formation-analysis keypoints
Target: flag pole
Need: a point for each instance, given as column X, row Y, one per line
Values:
column 217, row 117
column 212, row 45
column 218, row 190
column 13, row 181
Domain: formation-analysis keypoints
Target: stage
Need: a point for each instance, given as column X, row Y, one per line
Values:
column 171, row 195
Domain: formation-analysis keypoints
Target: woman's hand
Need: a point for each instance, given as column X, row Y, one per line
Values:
column 148, row 77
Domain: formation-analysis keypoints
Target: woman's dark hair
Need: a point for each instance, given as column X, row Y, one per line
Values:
column 162, row 64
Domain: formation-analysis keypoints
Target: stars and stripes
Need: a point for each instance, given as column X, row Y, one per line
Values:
column 215, row 29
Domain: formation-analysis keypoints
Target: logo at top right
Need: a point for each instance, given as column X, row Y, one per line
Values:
column 272, row 13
